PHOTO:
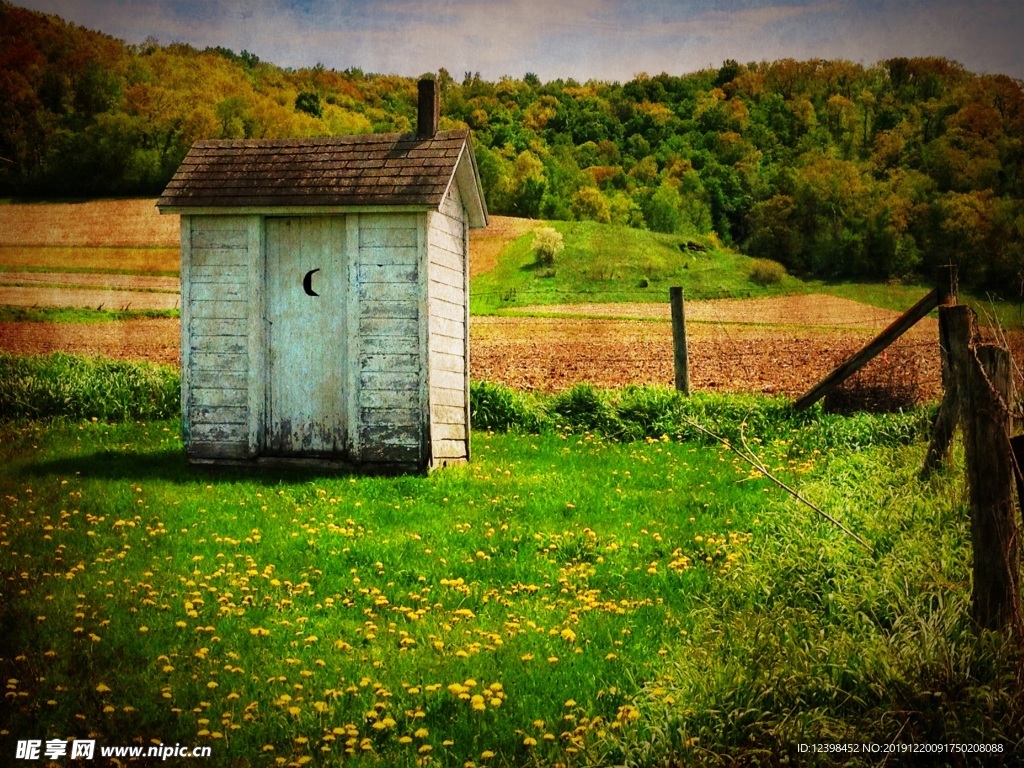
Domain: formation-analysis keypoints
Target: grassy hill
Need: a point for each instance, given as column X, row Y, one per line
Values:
column 604, row 263
column 607, row 263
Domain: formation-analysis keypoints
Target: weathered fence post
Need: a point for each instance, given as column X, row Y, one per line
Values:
column 681, row 354
column 995, row 596
column 897, row 328
column 956, row 326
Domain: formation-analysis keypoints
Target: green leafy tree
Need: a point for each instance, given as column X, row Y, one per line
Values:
column 309, row 102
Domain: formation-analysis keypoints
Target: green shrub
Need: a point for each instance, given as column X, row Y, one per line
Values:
column 767, row 272
column 639, row 413
column 499, row 408
column 81, row 387
column 547, row 244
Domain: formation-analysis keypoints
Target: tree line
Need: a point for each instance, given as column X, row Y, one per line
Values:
column 832, row 168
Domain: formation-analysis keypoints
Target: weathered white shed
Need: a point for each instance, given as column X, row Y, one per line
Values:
column 325, row 297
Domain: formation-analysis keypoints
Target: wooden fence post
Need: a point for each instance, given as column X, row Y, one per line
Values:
column 681, row 355
column 946, row 284
column 956, row 332
column 995, row 595
column 897, row 328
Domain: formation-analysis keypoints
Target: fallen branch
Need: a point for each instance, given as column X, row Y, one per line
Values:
column 757, row 464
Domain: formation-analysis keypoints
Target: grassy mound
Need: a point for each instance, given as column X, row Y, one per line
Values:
column 604, row 263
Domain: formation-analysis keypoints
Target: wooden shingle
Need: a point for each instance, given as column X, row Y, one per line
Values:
column 363, row 170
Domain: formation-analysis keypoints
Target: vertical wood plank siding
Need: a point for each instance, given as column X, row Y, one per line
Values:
column 388, row 340
column 216, row 341
column 448, row 313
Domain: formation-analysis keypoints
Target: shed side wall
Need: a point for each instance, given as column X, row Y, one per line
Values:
column 449, row 320
column 216, row 335
column 387, row 346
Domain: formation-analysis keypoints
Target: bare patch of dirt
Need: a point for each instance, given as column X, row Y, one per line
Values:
column 487, row 244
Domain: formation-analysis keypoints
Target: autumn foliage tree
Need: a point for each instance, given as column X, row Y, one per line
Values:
column 831, row 168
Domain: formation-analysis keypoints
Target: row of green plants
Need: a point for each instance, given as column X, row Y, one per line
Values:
column 647, row 412
column 33, row 387
column 81, row 387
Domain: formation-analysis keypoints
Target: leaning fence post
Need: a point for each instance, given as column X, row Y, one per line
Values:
column 681, row 354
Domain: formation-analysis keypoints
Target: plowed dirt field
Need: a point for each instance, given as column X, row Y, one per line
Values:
column 778, row 346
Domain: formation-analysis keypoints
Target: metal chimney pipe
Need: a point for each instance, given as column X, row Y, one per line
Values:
column 429, row 108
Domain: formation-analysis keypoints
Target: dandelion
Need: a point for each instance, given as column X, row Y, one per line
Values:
column 529, row 741
column 102, row 688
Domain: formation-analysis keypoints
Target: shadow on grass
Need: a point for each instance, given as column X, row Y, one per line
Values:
column 172, row 466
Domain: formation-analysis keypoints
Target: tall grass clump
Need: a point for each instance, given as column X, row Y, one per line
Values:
column 817, row 642
column 81, row 387
column 503, row 409
column 640, row 413
column 766, row 272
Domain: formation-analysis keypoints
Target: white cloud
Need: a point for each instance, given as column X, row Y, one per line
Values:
column 583, row 39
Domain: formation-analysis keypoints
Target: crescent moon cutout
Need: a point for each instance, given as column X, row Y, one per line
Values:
column 307, row 283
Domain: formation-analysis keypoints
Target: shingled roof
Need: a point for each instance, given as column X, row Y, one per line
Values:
column 364, row 170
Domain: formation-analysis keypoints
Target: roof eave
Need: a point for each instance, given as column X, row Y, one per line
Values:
column 288, row 210
column 468, row 178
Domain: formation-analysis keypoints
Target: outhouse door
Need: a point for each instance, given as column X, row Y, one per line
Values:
column 306, row 295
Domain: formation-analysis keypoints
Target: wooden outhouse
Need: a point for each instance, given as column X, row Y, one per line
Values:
column 325, row 297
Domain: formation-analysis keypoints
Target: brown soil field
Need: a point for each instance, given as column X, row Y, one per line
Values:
column 87, row 298
column 98, row 258
column 92, row 280
column 553, row 354
column 97, row 222
column 778, row 345
column 137, row 224
column 813, row 310
column 156, row 340
column 487, row 244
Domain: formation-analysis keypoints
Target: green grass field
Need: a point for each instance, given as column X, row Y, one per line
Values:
column 609, row 264
column 564, row 599
column 603, row 263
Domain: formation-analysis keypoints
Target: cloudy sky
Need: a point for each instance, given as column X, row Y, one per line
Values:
column 603, row 39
